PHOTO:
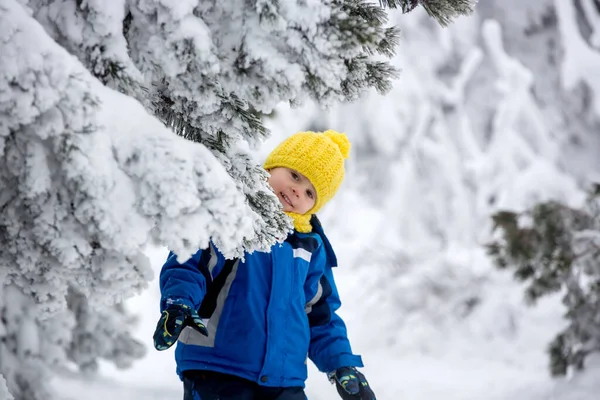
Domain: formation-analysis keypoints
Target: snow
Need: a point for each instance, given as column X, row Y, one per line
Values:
column 72, row 388
column 582, row 63
column 594, row 22
column 4, row 393
column 463, row 133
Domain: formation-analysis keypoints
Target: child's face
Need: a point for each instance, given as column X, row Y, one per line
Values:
column 293, row 189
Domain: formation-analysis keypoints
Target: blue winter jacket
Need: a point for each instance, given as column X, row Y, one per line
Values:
column 265, row 315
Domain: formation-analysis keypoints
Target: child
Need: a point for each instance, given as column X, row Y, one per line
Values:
column 267, row 314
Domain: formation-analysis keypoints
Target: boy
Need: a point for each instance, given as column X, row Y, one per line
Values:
column 267, row 314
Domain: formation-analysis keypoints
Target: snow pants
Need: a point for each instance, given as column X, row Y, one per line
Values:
column 208, row 385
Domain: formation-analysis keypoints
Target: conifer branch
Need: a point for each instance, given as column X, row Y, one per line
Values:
column 443, row 11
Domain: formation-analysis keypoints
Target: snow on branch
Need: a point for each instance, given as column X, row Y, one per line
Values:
column 455, row 93
column 581, row 63
column 89, row 177
column 516, row 82
column 4, row 393
column 93, row 31
column 592, row 16
column 443, row 11
column 517, row 79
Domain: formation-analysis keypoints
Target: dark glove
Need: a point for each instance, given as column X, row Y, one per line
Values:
column 173, row 319
column 351, row 384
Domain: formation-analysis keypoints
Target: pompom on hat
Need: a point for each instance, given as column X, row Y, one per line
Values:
column 319, row 157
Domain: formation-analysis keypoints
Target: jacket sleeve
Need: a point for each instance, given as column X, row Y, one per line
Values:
column 329, row 345
column 189, row 281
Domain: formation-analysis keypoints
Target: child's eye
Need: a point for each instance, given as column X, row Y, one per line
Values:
column 295, row 176
column 310, row 194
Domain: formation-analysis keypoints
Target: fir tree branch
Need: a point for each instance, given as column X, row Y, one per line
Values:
column 554, row 248
column 443, row 11
column 387, row 46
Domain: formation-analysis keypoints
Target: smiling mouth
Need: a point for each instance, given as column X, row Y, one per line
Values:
column 286, row 199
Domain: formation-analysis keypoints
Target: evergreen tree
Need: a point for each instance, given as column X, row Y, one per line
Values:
column 90, row 95
column 101, row 334
column 555, row 248
column 442, row 10
column 552, row 245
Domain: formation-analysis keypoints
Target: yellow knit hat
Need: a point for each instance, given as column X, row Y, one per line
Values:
column 319, row 157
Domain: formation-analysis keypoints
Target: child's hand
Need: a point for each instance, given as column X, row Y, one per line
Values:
column 351, row 384
column 173, row 319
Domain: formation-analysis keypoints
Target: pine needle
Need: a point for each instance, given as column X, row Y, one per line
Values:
column 443, row 11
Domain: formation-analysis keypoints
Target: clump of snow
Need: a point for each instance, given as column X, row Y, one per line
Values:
column 4, row 393
column 581, row 62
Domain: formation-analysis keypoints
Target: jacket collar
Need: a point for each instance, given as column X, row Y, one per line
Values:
column 318, row 229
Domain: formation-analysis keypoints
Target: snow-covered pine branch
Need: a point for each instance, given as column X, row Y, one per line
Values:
column 554, row 248
column 211, row 83
column 101, row 334
column 94, row 178
column 92, row 30
column 4, row 393
column 90, row 176
column 443, row 11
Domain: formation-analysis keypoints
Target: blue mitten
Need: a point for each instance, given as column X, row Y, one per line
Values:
column 174, row 318
column 351, row 384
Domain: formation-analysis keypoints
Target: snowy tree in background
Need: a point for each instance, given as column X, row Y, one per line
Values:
column 90, row 95
column 558, row 42
column 4, row 393
column 101, row 334
column 553, row 245
column 556, row 249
